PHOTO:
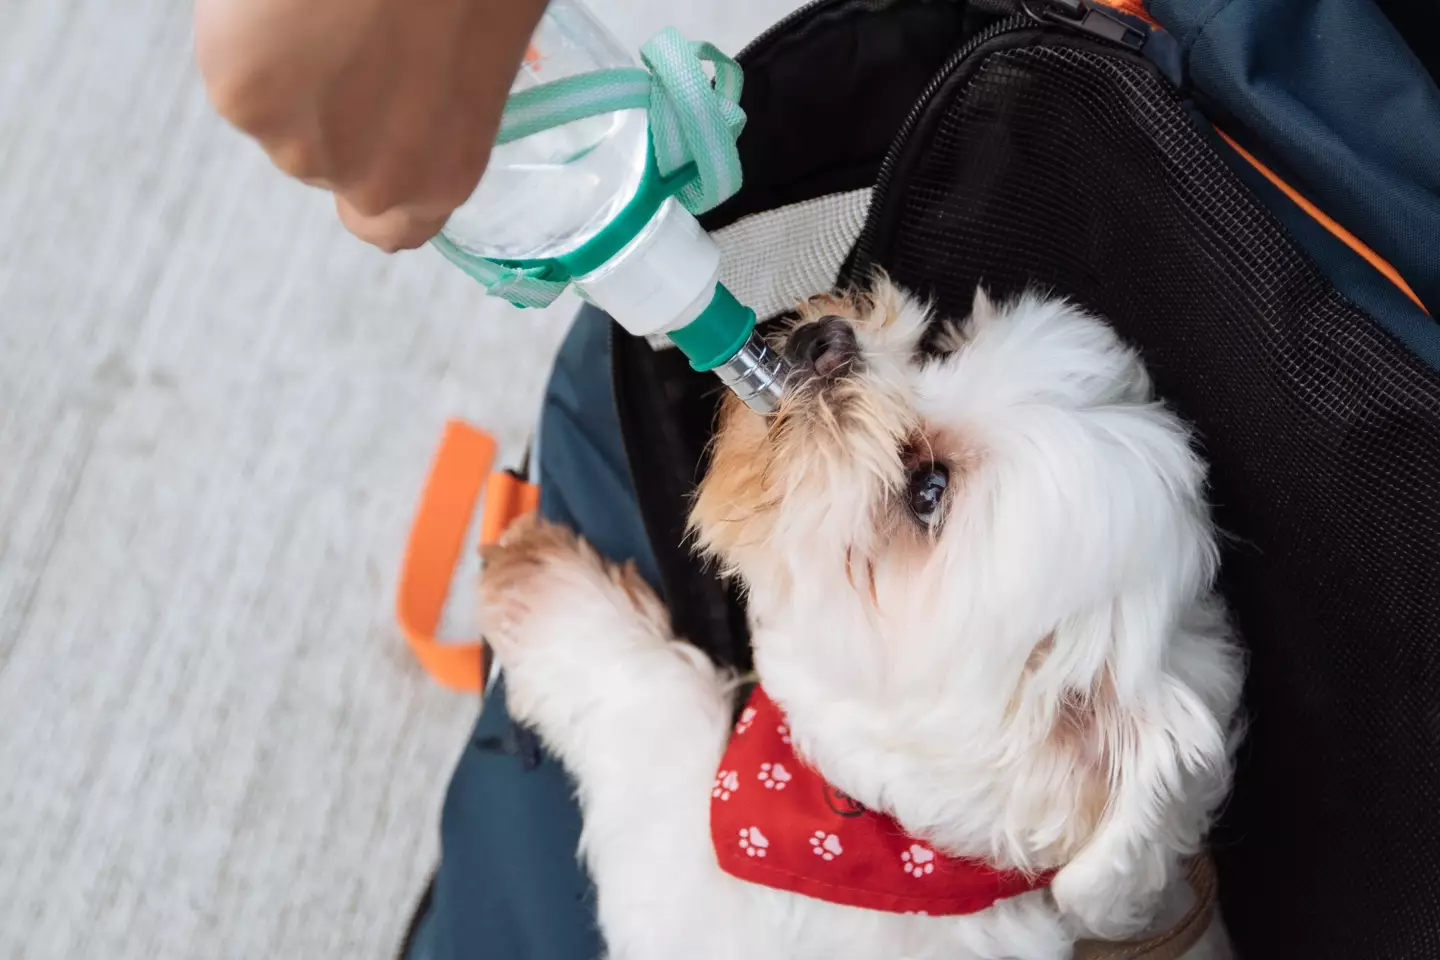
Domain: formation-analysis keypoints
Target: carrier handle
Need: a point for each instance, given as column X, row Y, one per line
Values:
column 460, row 471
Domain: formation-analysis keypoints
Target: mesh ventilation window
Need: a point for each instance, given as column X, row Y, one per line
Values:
column 1079, row 171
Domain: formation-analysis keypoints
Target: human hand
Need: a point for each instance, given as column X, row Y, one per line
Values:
column 392, row 105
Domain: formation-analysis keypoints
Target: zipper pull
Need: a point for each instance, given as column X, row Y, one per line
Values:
column 1089, row 17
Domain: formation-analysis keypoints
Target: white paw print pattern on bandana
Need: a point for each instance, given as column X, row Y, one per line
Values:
column 726, row 783
column 753, row 842
column 918, row 860
column 747, row 717
column 773, row 775
column 826, row 846
column 784, row 732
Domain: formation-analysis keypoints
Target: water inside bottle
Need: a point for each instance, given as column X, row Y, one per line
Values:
column 548, row 193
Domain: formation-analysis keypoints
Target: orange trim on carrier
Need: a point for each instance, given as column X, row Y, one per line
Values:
column 1340, row 233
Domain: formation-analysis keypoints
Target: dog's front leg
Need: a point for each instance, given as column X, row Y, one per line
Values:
column 638, row 718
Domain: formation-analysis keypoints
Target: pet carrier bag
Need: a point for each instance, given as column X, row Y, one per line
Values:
column 1249, row 190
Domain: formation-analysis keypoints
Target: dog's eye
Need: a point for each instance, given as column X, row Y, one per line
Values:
column 927, row 491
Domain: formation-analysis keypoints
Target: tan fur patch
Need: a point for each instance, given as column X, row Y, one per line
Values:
column 528, row 546
column 627, row 577
column 1084, row 729
column 831, row 441
column 732, row 506
column 1080, row 738
column 531, row 558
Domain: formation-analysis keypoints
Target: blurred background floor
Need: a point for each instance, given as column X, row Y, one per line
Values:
column 216, row 411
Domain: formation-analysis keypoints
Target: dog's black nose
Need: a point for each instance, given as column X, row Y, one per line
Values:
column 827, row 347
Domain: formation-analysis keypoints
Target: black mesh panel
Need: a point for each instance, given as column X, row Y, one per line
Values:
column 1077, row 169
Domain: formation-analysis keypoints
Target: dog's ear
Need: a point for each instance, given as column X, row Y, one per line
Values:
column 1148, row 746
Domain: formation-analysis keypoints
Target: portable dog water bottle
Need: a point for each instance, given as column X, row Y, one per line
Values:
column 594, row 180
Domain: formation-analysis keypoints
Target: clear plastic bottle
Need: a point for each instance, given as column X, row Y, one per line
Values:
column 548, row 194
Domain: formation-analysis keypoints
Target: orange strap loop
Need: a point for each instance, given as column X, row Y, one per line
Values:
column 437, row 535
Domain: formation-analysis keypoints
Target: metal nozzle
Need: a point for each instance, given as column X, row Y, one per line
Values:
column 756, row 374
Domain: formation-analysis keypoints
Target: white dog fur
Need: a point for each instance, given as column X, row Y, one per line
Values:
column 1041, row 677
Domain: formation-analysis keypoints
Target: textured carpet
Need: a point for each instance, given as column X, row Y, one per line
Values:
column 216, row 411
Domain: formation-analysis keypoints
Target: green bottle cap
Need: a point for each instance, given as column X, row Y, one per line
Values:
column 718, row 333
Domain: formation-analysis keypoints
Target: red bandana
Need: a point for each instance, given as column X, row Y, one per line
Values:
column 776, row 822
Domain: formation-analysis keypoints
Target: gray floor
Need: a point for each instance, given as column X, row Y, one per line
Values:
column 216, row 411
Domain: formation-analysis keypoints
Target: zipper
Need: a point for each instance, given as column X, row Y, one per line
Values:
column 863, row 246
column 1090, row 17
column 1094, row 17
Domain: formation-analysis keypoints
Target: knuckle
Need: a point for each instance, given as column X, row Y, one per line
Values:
column 239, row 69
column 464, row 175
column 407, row 234
column 384, row 242
column 233, row 97
column 302, row 159
column 432, row 182
column 386, row 234
column 374, row 198
column 387, row 231
column 384, row 182
column 248, row 99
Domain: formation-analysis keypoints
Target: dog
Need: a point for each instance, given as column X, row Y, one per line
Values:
column 997, row 688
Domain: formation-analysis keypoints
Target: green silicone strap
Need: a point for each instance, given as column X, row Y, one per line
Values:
column 653, row 191
column 524, row 286
column 694, row 123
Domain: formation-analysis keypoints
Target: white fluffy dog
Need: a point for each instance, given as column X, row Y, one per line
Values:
column 980, row 584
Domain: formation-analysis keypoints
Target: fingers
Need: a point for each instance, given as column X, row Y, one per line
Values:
column 398, row 228
column 405, row 198
column 262, row 62
column 390, row 104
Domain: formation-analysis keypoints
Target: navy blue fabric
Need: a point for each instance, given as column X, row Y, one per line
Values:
column 509, row 884
column 1327, row 93
column 1350, row 273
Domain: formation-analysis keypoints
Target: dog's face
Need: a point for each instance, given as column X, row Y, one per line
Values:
column 981, row 560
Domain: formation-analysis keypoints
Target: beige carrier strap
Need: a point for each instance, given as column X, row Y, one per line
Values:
column 1171, row 944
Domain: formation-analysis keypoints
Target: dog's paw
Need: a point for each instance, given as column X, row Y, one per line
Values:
column 587, row 654
column 519, row 575
column 1107, row 900
column 542, row 585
